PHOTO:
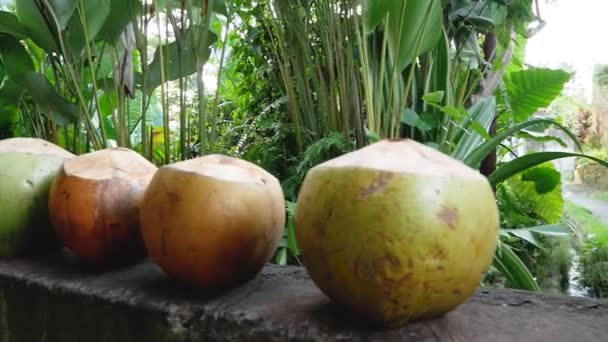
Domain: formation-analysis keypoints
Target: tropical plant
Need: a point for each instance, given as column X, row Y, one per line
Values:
column 298, row 82
column 423, row 75
column 81, row 73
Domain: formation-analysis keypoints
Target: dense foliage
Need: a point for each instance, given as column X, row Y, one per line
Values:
column 297, row 82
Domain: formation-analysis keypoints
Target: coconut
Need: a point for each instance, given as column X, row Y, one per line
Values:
column 396, row 231
column 212, row 222
column 27, row 168
column 94, row 203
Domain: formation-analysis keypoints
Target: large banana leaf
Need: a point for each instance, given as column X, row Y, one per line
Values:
column 374, row 12
column 20, row 70
column 43, row 32
column 173, row 57
column 94, row 14
column 121, row 13
column 413, row 27
column 532, row 89
column 9, row 24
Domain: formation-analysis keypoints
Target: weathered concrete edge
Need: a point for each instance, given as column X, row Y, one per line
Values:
column 250, row 312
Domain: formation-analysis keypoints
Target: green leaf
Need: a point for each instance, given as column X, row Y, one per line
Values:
column 154, row 114
column 483, row 15
column 414, row 27
column 411, row 118
column 374, row 12
column 483, row 113
column 481, row 130
column 292, row 242
column 554, row 230
column 44, row 95
column 469, row 52
column 532, row 89
column 95, row 14
column 523, row 234
column 434, row 97
column 441, row 70
column 557, row 230
column 9, row 24
column 513, row 269
column 10, row 93
column 35, row 25
column 281, row 258
column 108, row 124
column 372, row 137
column 171, row 57
column 519, row 54
column 36, row 52
column 427, row 122
column 121, row 13
column 531, row 135
column 454, row 112
column 42, row 31
column 20, row 70
column 64, row 9
column 29, row 12
column 219, row 6
column 14, row 56
column 479, row 153
column 523, row 163
column 548, row 205
column 432, row 144
column 545, row 179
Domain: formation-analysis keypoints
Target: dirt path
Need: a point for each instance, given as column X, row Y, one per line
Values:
column 580, row 195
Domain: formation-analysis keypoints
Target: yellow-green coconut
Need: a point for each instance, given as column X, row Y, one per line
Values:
column 396, row 231
column 27, row 168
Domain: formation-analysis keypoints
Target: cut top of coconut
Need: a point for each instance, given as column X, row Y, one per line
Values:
column 224, row 168
column 402, row 156
column 110, row 163
column 33, row 146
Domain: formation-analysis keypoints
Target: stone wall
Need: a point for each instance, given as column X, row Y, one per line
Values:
column 599, row 104
column 562, row 164
column 594, row 175
column 54, row 299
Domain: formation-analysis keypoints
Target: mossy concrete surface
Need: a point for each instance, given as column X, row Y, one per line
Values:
column 55, row 299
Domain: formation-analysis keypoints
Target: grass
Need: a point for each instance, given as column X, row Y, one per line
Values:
column 594, row 249
column 587, row 222
column 601, row 195
column 551, row 265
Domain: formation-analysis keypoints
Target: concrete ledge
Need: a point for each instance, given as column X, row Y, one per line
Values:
column 52, row 299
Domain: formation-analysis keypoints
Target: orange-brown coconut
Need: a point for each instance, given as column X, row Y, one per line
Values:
column 396, row 231
column 94, row 202
column 212, row 222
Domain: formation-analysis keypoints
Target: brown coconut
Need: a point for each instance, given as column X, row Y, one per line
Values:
column 214, row 221
column 396, row 231
column 94, row 205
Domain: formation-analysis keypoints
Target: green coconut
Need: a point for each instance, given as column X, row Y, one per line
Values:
column 27, row 169
column 396, row 231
